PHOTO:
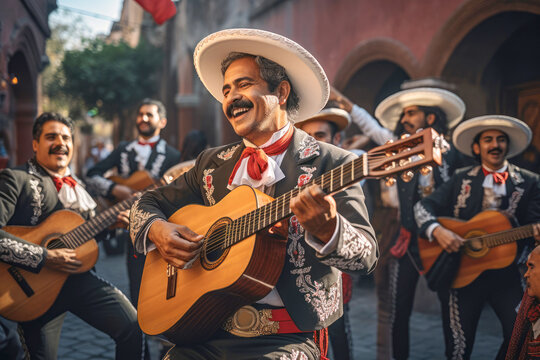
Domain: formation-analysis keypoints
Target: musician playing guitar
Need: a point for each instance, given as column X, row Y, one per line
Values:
column 264, row 82
column 28, row 195
column 148, row 152
column 495, row 184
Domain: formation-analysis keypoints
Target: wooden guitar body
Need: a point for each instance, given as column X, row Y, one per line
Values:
column 139, row 180
column 476, row 256
column 218, row 283
column 15, row 304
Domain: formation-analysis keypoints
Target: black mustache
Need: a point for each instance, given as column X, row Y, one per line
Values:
column 495, row 149
column 58, row 149
column 238, row 104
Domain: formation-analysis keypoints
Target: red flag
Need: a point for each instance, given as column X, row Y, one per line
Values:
column 161, row 10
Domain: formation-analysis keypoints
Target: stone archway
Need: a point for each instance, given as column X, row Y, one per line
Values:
column 24, row 105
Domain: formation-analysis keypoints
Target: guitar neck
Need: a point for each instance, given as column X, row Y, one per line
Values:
column 330, row 182
column 506, row 236
column 97, row 224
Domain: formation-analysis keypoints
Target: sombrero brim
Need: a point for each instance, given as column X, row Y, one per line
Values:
column 518, row 132
column 340, row 117
column 389, row 110
column 306, row 74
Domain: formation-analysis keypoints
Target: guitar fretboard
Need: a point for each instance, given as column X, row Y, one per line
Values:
column 97, row 224
column 506, row 236
column 258, row 219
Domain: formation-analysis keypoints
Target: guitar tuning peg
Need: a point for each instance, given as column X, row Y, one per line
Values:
column 404, row 136
column 403, row 162
column 389, row 181
column 389, row 141
column 407, row 176
column 424, row 170
column 390, row 153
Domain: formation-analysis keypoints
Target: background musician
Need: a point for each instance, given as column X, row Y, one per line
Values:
column 495, row 184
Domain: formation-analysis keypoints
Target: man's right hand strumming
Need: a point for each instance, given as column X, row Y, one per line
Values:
column 448, row 240
column 177, row 244
column 63, row 260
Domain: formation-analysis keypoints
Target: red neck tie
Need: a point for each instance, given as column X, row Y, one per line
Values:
column 258, row 157
column 152, row 144
column 498, row 177
column 68, row 180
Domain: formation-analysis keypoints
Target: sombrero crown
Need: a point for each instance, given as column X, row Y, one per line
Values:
column 340, row 117
column 305, row 73
column 518, row 133
column 389, row 110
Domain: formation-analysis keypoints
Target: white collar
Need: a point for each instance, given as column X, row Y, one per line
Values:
column 502, row 169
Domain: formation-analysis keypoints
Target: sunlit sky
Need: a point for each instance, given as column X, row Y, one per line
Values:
column 96, row 15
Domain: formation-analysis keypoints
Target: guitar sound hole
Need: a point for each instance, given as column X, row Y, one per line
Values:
column 215, row 249
column 56, row 244
column 476, row 245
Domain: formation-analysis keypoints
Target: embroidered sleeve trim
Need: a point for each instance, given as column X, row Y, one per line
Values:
column 353, row 252
column 24, row 254
column 137, row 219
column 421, row 215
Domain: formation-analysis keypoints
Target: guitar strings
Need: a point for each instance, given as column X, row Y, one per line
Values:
column 218, row 238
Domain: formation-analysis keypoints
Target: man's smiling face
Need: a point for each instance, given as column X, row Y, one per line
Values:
column 248, row 103
column 54, row 148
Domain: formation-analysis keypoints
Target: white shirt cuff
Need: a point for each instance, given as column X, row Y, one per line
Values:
column 322, row 248
column 430, row 229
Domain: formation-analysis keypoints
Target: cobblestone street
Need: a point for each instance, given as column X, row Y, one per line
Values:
column 81, row 342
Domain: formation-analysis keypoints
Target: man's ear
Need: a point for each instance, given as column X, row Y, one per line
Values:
column 337, row 139
column 283, row 91
column 476, row 149
column 162, row 123
column 34, row 145
column 430, row 119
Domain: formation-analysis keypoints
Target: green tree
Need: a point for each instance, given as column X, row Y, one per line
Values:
column 111, row 78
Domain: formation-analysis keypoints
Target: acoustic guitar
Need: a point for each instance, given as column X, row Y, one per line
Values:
column 490, row 243
column 240, row 261
column 24, row 295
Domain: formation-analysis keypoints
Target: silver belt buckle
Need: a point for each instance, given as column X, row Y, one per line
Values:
column 250, row 322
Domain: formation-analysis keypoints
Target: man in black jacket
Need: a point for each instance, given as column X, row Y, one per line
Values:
column 28, row 195
column 495, row 184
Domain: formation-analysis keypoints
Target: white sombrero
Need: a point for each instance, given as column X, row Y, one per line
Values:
column 389, row 110
column 307, row 76
column 340, row 117
column 518, row 132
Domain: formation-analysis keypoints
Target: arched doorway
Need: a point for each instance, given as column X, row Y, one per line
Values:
column 496, row 69
column 23, row 105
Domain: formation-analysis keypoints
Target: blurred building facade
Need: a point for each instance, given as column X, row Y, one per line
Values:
column 488, row 49
column 24, row 30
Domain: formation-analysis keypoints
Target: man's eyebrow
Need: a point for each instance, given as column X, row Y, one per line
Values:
column 236, row 81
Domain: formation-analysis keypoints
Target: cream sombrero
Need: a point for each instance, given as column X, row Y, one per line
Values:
column 390, row 109
column 340, row 117
column 518, row 132
column 307, row 76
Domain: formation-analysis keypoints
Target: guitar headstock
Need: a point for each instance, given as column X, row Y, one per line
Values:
column 418, row 151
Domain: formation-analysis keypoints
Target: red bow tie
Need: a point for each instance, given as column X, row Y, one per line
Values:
column 498, row 177
column 58, row 181
column 258, row 158
column 152, row 144
column 534, row 312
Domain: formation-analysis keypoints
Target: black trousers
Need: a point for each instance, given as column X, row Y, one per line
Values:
column 135, row 267
column 99, row 304
column 461, row 309
column 227, row 346
column 10, row 344
column 403, row 278
column 339, row 334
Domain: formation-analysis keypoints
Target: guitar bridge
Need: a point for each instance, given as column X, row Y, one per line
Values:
column 172, row 274
column 21, row 281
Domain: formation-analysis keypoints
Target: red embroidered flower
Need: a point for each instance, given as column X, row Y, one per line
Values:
column 208, row 180
column 304, row 179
